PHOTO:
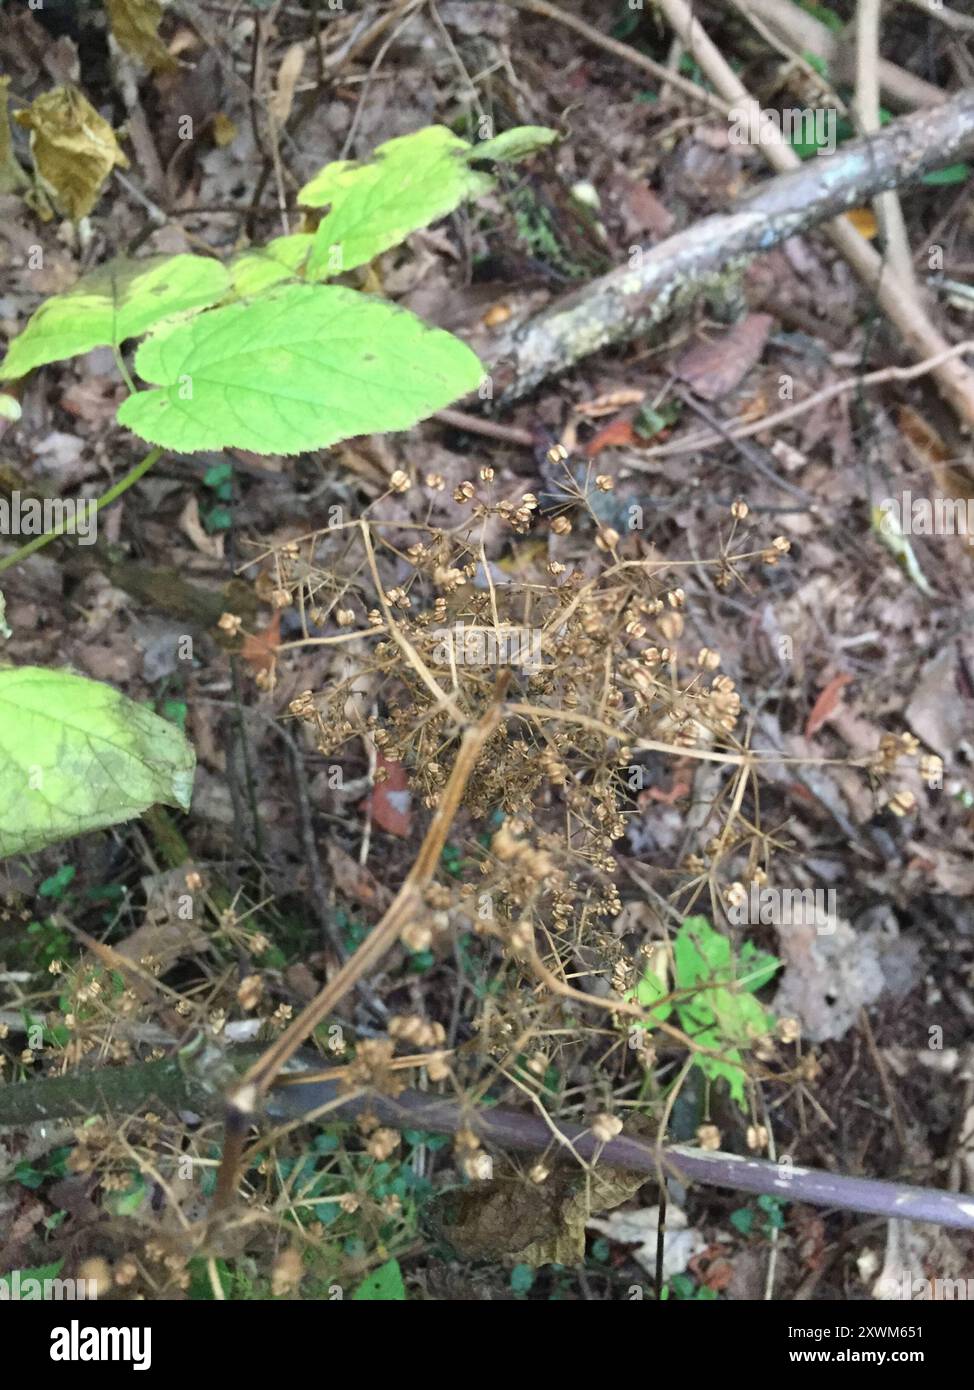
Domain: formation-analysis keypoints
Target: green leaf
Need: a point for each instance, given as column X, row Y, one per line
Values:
column 299, row 368
column 742, row 1220
column 719, row 1012
column 515, row 144
column 75, row 755
column 384, row 1285
column 651, row 988
column 120, row 300
column 412, row 181
column 954, row 173
column 39, row 1272
column 283, row 258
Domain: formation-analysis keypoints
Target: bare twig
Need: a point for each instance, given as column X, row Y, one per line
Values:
column 889, row 211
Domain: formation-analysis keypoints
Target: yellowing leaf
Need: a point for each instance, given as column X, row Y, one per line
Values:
column 75, row 755
column 135, row 27
column 73, row 148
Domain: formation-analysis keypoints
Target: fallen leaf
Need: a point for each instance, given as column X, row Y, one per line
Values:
column 609, row 402
column 390, row 802
column 716, row 368
column 135, row 28
column 192, row 527
column 288, row 75
column 864, row 221
column 680, row 1242
column 259, row 649
column 618, row 435
column 826, row 704
column 355, row 882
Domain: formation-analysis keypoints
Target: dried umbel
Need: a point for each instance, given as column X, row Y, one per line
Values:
column 591, row 656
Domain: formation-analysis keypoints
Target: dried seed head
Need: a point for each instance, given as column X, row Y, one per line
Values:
column 901, row 803
column 757, row 1138
column 230, row 623
column 604, row 482
column 382, row 1143
column 708, row 1137
column 561, row 526
column 417, row 936
column 345, row 617
column 478, row 1167
column 739, row 509
column 734, row 895
column 249, row 992
column 931, row 768
column 286, row 1273
column 464, row 492
column 606, row 1127
column 399, row 482
column 788, row 1030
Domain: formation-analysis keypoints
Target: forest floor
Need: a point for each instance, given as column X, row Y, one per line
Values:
column 855, row 668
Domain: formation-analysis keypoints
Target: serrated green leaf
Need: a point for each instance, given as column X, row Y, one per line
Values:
column 120, row 300
column 718, row 1009
column 299, row 368
column 75, row 755
column 411, row 181
column 515, row 144
column 384, row 1285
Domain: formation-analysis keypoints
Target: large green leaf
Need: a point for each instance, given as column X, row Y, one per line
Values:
column 75, row 755
column 120, row 300
column 411, row 181
column 298, row 368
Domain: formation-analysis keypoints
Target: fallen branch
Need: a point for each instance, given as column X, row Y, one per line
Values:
column 170, row 1083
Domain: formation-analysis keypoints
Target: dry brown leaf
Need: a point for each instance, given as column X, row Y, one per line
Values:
column 826, row 704
column 192, row 527
column 716, row 368
column 355, row 882
column 609, row 402
column 288, row 76
column 259, row 649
